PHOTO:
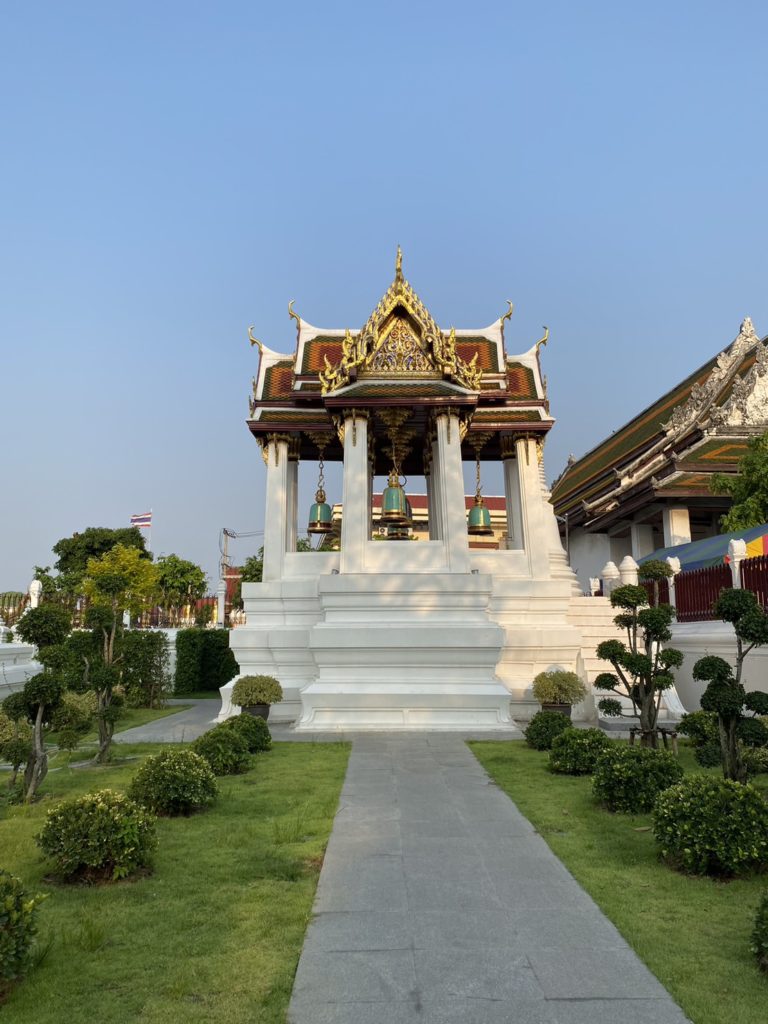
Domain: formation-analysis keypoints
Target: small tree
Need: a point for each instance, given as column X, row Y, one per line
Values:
column 41, row 696
column 122, row 579
column 654, row 572
column 642, row 669
column 15, row 743
column 45, row 626
column 725, row 694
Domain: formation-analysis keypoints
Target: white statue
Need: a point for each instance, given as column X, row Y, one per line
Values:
column 35, row 593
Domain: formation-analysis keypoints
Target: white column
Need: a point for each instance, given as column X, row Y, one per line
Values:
column 355, row 522
column 737, row 552
column 535, row 528
column 276, row 512
column 221, row 603
column 677, row 526
column 515, row 535
column 435, row 485
column 674, row 565
column 452, row 508
column 642, row 540
column 292, row 504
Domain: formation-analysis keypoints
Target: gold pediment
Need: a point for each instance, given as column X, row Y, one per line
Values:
column 400, row 340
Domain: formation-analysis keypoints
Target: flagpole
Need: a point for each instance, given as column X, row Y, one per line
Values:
column 149, row 542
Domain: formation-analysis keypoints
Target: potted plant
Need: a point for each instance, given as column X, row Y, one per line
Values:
column 558, row 689
column 255, row 694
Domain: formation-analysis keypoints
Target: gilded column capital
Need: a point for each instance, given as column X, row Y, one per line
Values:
column 274, row 440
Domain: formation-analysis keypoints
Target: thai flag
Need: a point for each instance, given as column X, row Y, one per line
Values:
column 143, row 520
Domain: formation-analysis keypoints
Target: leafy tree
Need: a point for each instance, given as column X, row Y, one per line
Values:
column 121, row 580
column 45, row 626
column 749, row 489
column 642, row 668
column 41, row 696
column 725, row 694
column 75, row 552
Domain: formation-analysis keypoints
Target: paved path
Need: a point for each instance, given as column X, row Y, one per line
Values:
column 439, row 904
column 180, row 728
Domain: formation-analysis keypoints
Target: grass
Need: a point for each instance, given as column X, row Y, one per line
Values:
column 129, row 718
column 693, row 933
column 214, row 934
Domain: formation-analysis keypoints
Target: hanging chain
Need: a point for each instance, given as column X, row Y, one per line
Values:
column 477, row 473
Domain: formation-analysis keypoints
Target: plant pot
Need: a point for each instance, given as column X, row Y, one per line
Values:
column 258, row 711
column 564, row 709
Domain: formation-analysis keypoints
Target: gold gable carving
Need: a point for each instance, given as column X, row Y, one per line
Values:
column 402, row 340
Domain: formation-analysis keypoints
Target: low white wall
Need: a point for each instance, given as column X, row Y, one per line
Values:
column 695, row 639
column 17, row 665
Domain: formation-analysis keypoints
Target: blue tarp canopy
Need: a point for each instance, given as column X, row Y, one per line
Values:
column 700, row 554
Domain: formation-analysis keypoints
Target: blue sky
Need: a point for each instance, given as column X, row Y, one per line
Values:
column 171, row 173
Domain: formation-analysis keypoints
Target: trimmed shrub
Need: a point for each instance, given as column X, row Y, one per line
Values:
column 557, row 686
column 710, row 826
column 629, row 779
column 255, row 731
column 699, row 726
column 144, row 667
column 755, row 760
column 18, row 926
column 174, row 782
column 15, row 743
column 225, row 749
column 251, row 690
column 709, row 754
column 760, row 934
column 99, row 836
column 543, row 728
column 204, row 660
column 752, row 732
column 575, row 751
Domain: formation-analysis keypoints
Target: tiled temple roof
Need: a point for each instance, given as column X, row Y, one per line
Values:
column 692, row 426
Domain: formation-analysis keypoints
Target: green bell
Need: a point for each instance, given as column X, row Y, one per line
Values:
column 479, row 520
column 397, row 533
column 394, row 504
column 320, row 516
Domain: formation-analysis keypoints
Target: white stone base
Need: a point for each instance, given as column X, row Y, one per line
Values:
column 447, row 706
column 17, row 665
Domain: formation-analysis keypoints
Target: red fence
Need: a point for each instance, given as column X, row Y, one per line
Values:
column 754, row 577
column 697, row 590
column 663, row 588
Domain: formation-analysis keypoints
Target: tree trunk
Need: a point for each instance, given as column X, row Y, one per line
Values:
column 37, row 766
column 648, row 736
column 106, row 729
column 733, row 766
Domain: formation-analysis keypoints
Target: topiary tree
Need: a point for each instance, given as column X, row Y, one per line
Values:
column 654, row 571
column 45, row 626
column 642, row 668
column 42, row 695
column 15, row 744
column 73, row 717
column 725, row 695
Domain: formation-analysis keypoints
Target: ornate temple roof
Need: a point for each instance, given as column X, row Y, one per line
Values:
column 672, row 448
column 400, row 357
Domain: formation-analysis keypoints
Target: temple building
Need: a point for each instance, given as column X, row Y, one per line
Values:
column 647, row 486
column 386, row 634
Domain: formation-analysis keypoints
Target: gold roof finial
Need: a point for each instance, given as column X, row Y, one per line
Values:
column 254, row 340
column 542, row 341
column 507, row 315
column 399, row 266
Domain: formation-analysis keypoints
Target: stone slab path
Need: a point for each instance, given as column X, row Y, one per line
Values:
column 439, row 904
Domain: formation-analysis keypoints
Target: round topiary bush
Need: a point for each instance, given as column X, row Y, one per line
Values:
column 575, row 751
column 760, row 934
column 543, row 728
column 254, row 730
column 225, row 749
column 174, row 782
column 558, row 686
column 99, row 836
column 249, row 691
column 18, row 926
column 710, row 826
column 628, row 779
column 708, row 754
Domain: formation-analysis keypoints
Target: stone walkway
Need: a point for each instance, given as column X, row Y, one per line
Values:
column 439, row 904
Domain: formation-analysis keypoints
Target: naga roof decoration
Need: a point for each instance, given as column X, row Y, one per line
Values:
column 673, row 447
column 399, row 357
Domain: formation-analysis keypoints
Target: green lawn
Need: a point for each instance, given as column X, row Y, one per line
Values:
column 129, row 718
column 693, row 933
column 214, row 934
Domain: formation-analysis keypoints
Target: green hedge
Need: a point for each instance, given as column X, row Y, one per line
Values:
column 203, row 660
column 144, row 667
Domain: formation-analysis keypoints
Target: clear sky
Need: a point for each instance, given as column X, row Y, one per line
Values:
column 173, row 172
